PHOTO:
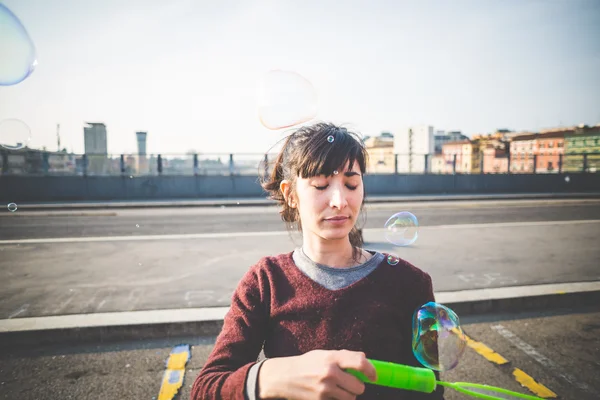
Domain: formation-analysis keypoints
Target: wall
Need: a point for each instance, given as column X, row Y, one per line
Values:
column 77, row 188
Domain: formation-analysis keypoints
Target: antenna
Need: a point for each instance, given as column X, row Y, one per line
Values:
column 58, row 137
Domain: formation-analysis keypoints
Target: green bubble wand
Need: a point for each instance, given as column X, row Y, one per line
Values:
column 423, row 380
column 431, row 318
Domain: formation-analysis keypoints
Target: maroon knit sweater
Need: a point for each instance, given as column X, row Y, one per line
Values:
column 276, row 306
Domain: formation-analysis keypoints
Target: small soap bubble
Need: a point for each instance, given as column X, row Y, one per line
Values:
column 285, row 99
column 392, row 259
column 438, row 341
column 330, row 138
column 137, row 225
column 14, row 134
column 335, row 172
column 12, row 207
column 402, row 229
column 17, row 51
column 567, row 179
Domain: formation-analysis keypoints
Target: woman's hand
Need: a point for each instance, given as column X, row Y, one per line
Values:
column 316, row 375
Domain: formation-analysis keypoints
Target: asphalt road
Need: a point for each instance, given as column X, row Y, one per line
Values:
column 559, row 352
column 170, row 221
column 65, row 262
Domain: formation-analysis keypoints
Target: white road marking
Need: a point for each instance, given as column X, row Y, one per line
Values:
column 542, row 359
column 70, row 295
column 18, row 311
column 187, row 236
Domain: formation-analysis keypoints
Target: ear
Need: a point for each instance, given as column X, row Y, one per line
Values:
column 285, row 187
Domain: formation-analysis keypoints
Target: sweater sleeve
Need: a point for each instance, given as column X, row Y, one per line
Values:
column 238, row 345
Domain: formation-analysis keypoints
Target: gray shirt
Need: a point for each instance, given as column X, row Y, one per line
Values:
column 328, row 277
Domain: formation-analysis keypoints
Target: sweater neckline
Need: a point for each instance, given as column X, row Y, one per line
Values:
column 361, row 282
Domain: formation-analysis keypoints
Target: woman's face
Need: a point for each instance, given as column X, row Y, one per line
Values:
column 329, row 206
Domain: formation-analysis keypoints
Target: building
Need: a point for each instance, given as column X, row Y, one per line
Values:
column 414, row 146
column 582, row 146
column 495, row 161
column 459, row 152
column 381, row 154
column 551, row 148
column 142, row 157
column 96, row 148
column 441, row 138
column 544, row 149
column 27, row 161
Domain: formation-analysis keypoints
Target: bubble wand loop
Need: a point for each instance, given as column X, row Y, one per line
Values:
column 423, row 380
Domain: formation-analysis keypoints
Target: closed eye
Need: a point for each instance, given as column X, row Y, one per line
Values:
column 325, row 187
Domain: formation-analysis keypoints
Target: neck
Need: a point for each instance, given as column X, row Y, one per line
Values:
column 333, row 253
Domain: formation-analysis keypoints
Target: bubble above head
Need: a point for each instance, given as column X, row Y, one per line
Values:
column 12, row 207
column 402, row 229
column 17, row 51
column 285, row 99
column 438, row 341
column 14, row 134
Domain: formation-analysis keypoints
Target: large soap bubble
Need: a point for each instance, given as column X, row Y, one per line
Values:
column 17, row 51
column 285, row 99
column 438, row 340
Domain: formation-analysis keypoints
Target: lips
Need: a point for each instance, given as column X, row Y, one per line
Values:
column 336, row 219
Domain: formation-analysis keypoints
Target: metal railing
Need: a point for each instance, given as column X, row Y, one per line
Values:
column 33, row 162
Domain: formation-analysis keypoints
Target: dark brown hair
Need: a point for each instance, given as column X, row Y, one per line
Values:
column 310, row 151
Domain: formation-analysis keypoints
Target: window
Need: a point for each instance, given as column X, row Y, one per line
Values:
column 560, row 144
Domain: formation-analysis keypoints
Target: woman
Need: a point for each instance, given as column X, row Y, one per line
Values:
column 326, row 306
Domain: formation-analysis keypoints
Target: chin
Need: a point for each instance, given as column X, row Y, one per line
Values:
column 334, row 234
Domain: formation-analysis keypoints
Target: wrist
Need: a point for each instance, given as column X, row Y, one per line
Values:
column 271, row 378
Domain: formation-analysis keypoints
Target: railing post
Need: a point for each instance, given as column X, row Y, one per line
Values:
column 585, row 168
column 508, row 164
column 396, row 164
column 84, row 162
column 481, row 162
column 454, row 165
column 535, row 163
column 122, row 164
column 159, row 164
column 426, row 164
column 560, row 163
column 4, row 154
column 195, row 164
column 231, row 165
column 45, row 162
column 266, row 161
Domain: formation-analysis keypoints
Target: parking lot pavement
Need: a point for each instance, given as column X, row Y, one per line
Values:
column 557, row 352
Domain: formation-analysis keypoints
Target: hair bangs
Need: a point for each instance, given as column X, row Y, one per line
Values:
column 323, row 157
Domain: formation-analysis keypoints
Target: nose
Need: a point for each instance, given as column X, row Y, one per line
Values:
column 338, row 199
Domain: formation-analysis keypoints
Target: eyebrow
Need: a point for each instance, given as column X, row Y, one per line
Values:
column 351, row 173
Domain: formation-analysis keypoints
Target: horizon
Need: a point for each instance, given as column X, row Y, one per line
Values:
column 186, row 72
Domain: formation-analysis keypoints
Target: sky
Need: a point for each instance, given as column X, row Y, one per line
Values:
column 186, row 71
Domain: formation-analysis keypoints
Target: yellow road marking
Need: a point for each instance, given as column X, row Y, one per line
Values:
column 520, row 376
column 173, row 377
column 530, row 383
column 485, row 351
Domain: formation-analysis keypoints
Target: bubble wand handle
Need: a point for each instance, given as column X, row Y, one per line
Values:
column 423, row 380
column 400, row 376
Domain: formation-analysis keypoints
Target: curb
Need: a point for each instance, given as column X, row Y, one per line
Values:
column 158, row 324
column 253, row 202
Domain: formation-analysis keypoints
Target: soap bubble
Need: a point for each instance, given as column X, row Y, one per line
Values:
column 12, row 207
column 402, row 229
column 393, row 259
column 285, row 99
column 567, row 179
column 330, row 138
column 17, row 51
column 14, row 134
column 438, row 341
